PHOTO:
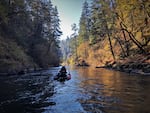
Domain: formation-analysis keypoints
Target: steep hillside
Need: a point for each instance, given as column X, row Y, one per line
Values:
column 12, row 57
column 28, row 37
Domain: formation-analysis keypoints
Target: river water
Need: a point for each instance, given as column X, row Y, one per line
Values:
column 89, row 91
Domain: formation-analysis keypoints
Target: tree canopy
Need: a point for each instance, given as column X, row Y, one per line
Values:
column 110, row 30
column 34, row 26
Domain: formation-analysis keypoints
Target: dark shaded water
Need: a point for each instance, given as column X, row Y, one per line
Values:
column 89, row 91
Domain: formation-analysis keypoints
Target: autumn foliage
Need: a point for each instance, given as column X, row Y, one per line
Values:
column 112, row 31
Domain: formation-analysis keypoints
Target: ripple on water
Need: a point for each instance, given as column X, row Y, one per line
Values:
column 89, row 91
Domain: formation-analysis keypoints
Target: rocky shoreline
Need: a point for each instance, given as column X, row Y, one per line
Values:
column 137, row 68
column 138, row 64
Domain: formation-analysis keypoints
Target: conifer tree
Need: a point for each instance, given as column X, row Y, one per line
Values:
column 84, row 23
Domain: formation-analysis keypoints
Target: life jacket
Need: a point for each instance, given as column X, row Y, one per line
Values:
column 63, row 72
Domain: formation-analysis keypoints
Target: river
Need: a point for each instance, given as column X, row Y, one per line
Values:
column 90, row 90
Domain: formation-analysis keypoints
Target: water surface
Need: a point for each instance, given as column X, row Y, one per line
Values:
column 88, row 91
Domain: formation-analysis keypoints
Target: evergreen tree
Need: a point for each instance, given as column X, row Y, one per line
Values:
column 34, row 26
column 74, row 41
column 98, row 30
column 84, row 23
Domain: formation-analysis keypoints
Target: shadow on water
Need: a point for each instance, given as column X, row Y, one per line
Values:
column 89, row 91
column 25, row 93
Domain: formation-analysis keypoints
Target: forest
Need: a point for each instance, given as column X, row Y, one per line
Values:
column 102, row 67
column 29, row 35
column 111, row 33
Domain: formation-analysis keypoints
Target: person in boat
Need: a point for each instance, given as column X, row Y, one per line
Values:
column 62, row 72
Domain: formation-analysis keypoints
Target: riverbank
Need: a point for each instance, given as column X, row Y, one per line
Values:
column 138, row 64
column 14, row 60
column 32, row 71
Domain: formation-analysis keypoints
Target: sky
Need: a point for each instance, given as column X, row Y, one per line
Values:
column 69, row 13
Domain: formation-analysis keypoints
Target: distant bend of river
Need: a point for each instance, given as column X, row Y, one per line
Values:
column 89, row 91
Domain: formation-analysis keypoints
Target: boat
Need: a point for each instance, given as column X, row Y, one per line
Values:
column 62, row 78
column 62, row 75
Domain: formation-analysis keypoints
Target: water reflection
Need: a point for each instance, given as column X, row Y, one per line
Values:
column 89, row 91
column 114, row 92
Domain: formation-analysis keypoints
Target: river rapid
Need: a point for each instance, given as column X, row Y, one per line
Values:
column 90, row 90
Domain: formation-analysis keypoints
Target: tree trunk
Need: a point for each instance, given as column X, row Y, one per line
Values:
column 111, row 48
column 123, row 51
column 126, row 42
column 132, row 37
column 137, row 43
